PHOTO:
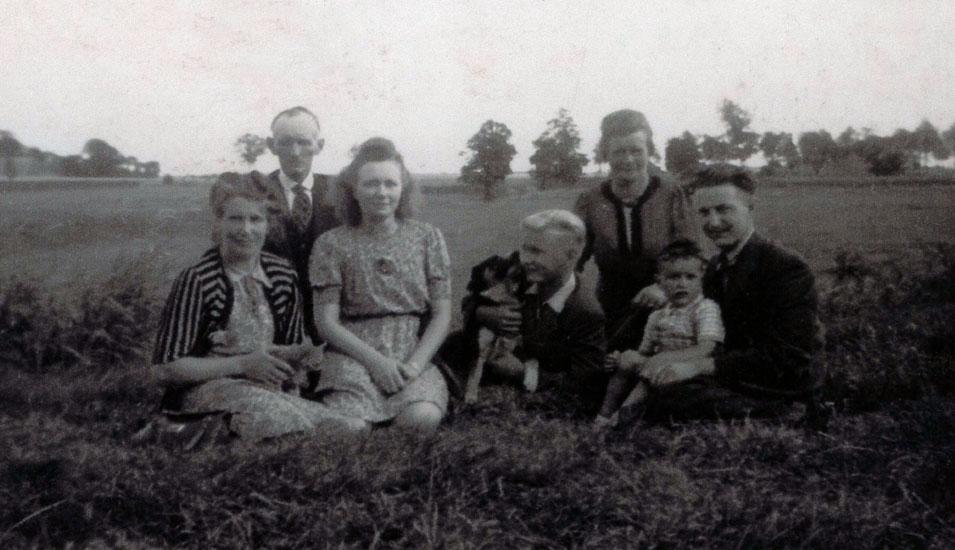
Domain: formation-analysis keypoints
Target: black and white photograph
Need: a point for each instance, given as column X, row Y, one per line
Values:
column 486, row 274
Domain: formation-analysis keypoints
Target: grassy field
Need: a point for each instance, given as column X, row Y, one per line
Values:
column 83, row 271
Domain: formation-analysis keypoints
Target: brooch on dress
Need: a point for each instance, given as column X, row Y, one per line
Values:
column 385, row 266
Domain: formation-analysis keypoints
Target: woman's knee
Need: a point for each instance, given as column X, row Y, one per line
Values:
column 425, row 417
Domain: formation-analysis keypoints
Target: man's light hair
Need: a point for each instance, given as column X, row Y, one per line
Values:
column 295, row 111
column 562, row 221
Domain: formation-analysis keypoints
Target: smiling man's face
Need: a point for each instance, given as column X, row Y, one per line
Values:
column 726, row 213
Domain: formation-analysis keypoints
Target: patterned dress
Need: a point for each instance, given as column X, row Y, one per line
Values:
column 253, row 411
column 384, row 285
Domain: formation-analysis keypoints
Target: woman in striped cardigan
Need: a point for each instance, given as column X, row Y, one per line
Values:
column 230, row 340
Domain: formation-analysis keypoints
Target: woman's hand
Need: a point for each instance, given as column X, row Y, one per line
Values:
column 503, row 320
column 386, row 376
column 651, row 297
column 259, row 366
column 632, row 360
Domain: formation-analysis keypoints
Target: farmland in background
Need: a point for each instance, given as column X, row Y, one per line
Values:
column 518, row 470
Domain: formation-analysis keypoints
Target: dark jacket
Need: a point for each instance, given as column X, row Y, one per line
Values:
column 575, row 344
column 773, row 344
column 664, row 215
column 286, row 241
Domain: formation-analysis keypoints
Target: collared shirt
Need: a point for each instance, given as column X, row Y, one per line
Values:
column 559, row 299
column 675, row 328
column 257, row 274
column 288, row 186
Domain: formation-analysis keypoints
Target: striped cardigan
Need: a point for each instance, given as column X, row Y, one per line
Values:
column 201, row 301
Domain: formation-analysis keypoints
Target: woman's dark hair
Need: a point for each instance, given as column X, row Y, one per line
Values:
column 376, row 149
column 623, row 123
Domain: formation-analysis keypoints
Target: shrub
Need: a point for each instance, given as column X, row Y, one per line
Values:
column 100, row 326
column 890, row 324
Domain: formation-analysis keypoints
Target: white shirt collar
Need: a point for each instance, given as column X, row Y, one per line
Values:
column 559, row 299
column 288, row 184
column 258, row 274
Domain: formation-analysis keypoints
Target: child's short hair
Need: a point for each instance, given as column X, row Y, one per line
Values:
column 681, row 249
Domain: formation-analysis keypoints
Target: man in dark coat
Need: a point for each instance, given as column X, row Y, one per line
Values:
column 772, row 355
column 301, row 204
column 560, row 323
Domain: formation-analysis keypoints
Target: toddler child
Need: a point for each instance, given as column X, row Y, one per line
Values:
column 687, row 327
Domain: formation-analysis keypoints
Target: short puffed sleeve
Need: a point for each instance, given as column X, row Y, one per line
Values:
column 325, row 270
column 437, row 265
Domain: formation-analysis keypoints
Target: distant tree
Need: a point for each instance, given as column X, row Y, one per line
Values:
column 102, row 158
column 948, row 137
column 491, row 155
column 927, row 141
column 74, row 166
column 817, row 148
column 743, row 142
column 715, row 149
column 847, row 139
column 903, row 141
column 10, row 148
column 556, row 157
column 151, row 169
column 250, row 147
column 682, row 154
column 883, row 156
column 788, row 151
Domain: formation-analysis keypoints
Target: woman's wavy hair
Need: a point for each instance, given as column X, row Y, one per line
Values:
column 623, row 123
column 376, row 149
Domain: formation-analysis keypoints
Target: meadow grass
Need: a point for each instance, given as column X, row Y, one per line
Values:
column 517, row 470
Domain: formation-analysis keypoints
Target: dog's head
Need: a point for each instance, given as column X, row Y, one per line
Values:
column 502, row 280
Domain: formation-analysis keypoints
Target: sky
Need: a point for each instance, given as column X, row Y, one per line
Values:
column 179, row 81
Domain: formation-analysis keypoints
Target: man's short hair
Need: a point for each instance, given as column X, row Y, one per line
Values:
column 297, row 110
column 623, row 123
column 681, row 249
column 723, row 174
column 562, row 221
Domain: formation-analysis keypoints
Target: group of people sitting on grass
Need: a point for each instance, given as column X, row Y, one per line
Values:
column 324, row 306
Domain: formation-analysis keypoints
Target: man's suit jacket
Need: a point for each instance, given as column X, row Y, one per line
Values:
column 285, row 240
column 773, row 344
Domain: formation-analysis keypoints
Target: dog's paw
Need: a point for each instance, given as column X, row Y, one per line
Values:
column 531, row 376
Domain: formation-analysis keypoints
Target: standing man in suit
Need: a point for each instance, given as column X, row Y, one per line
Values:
column 301, row 205
column 772, row 354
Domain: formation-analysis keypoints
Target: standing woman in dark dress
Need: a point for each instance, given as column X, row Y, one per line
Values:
column 630, row 218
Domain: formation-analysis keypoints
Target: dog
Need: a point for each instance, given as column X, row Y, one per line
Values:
column 501, row 281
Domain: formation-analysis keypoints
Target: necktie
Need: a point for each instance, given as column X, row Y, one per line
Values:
column 722, row 271
column 301, row 208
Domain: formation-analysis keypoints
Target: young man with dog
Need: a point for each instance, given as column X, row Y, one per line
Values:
column 560, row 324
column 772, row 354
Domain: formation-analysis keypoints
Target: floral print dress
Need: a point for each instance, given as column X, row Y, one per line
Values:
column 384, row 284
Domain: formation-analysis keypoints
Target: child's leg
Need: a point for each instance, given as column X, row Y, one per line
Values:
column 638, row 394
column 620, row 383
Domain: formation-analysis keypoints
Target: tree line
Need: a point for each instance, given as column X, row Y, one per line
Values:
column 852, row 152
column 97, row 159
column 557, row 161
